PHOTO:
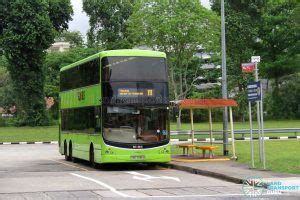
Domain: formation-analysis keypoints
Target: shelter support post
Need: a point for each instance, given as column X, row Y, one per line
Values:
column 192, row 127
column 210, row 126
column 232, row 134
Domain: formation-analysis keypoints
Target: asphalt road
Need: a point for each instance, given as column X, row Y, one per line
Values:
column 38, row 171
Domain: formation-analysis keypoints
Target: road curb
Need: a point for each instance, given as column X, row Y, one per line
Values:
column 203, row 172
column 45, row 142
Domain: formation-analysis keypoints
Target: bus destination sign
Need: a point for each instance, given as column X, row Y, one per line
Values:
column 134, row 92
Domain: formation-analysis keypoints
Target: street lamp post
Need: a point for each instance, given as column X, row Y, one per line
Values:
column 224, row 80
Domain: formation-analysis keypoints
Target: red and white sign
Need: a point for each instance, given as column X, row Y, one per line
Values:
column 248, row 67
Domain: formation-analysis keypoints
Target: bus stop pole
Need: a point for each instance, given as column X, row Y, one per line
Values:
column 262, row 128
column 232, row 134
column 251, row 135
column 258, row 118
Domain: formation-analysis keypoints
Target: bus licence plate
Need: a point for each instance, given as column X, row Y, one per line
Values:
column 137, row 157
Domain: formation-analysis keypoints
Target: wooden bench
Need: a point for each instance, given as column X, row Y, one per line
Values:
column 187, row 147
column 209, row 148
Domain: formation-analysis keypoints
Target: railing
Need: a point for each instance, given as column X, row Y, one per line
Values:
column 241, row 131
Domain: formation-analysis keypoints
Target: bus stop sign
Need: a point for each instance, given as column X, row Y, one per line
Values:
column 254, row 91
column 248, row 67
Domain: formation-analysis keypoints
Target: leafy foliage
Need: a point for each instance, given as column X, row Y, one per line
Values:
column 29, row 28
column 284, row 103
column 6, row 96
column 179, row 29
column 75, row 38
column 266, row 28
column 279, row 48
column 108, row 23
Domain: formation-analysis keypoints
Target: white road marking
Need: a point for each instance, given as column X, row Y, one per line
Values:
column 145, row 177
column 112, row 189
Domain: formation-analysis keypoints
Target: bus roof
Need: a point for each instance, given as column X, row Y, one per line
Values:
column 121, row 52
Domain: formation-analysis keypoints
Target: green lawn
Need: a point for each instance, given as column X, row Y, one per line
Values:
column 50, row 133
column 28, row 134
column 281, row 155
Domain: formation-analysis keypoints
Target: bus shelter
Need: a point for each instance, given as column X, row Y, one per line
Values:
column 209, row 104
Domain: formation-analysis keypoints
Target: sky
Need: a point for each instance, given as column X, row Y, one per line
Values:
column 80, row 21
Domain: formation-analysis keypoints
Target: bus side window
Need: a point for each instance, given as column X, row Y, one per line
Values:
column 98, row 119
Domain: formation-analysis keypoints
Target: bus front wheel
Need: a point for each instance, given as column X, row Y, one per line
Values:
column 67, row 158
column 92, row 157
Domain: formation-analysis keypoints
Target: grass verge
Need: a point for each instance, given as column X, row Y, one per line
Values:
column 281, row 156
column 28, row 134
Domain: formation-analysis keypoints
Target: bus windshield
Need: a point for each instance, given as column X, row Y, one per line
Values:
column 135, row 125
column 126, row 68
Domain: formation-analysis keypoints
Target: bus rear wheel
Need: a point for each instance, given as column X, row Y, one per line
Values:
column 92, row 157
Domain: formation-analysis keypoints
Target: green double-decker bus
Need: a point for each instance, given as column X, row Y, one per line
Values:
column 114, row 108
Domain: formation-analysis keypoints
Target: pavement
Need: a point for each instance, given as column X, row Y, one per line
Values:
column 232, row 171
column 229, row 170
column 38, row 171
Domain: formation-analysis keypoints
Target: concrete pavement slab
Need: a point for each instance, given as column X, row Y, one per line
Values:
column 84, row 195
column 176, row 191
column 106, row 194
column 226, row 190
column 36, row 195
column 200, row 191
column 134, row 193
column 155, row 192
column 12, row 196
column 60, row 195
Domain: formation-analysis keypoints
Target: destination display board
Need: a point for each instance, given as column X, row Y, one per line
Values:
column 134, row 92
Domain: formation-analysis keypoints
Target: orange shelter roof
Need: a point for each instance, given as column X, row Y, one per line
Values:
column 206, row 103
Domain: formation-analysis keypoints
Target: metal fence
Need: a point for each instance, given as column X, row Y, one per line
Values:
column 241, row 131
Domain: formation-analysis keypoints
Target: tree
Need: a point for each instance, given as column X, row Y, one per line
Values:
column 6, row 97
column 28, row 29
column 280, row 47
column 73, row 37
column 179, row 29
column 108, row 23
column 242, row 18
column 285, row 105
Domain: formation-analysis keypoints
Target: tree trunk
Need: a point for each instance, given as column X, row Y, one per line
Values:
column 178, row 125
